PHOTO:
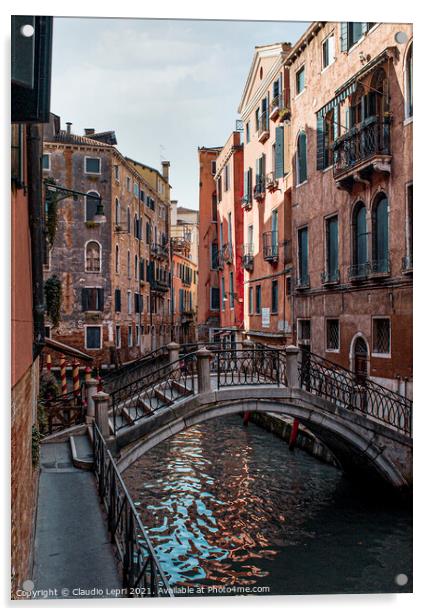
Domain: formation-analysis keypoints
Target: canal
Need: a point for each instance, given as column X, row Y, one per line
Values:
column 228, row 506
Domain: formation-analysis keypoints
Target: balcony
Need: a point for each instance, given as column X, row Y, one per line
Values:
column 159, row 251
column 276, row 104
column 246, row 202
column 259, row 190
column 380, row 268
column 359, row 272
column 407, row 264
column 226, row 254
column 248, row 257
column 330, row 277
column 271, row 182
column 160, row 286
column 270, row 246
column 363, row 150
column 263, row 127
column 303, row 282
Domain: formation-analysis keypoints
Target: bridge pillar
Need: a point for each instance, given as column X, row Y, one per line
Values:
column 174, row 350
column 248, row 344
column 101, row 404
column 204, row 375
column 91, row 390
column 292, row 359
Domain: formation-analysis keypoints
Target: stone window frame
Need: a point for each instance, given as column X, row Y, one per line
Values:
column 48, row 155
column 92, row 172
column 408, row 117
column 92, row 271
column 129, row 336
column 118, row 338
column 91, row 193
column 327, row 37
column 87, row 348
column 329, row 349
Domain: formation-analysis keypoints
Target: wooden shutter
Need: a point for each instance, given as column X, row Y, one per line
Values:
column 364, row 27
column 336, row 122
column 279, row 152
column 257, row 174
column 246, row 194
column 84, row 297
column 320, row 129
column 343, row 35
column 100, row 299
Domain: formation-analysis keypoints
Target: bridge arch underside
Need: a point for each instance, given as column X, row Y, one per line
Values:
column 364, row 448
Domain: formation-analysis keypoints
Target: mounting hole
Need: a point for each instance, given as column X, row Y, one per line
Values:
column 27, row 30
column 401, row 579
column 401, row 37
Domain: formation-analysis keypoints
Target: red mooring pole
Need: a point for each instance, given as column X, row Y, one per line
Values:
column 75, row 376
column 293, row 434
column 246, row 418
column 63, row 375
column 48, row 364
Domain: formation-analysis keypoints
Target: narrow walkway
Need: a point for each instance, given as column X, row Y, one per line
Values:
column 73, row 554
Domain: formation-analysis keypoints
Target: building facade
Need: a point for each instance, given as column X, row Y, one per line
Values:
column 229, row 258
column 114, row 276
column 185, row 223
column 184, row 292
column 349, row 165
column 267, row 254
column 208, row 313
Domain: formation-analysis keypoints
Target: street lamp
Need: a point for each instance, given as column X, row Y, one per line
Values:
column 61, row 193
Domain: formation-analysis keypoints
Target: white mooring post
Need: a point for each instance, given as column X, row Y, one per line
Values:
column 91, row 390
column 101, row 404
column 204, row 375
column 292, row 359
column 174, row 351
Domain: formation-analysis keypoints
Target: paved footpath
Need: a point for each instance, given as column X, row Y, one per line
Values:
column 73, row 554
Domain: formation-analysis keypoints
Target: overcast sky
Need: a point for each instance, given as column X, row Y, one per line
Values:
column 165, row 86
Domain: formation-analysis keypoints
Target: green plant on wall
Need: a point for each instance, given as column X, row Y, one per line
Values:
column 53, row 299
column 35, row 445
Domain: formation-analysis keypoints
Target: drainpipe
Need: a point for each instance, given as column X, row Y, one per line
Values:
column 36, row 220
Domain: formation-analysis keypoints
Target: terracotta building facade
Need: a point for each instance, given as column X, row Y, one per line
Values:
column 208, row 311
column 349, row 166
column 115, row 276
column 230, row 230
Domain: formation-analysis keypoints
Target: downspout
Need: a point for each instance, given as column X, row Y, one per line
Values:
column 37, row 221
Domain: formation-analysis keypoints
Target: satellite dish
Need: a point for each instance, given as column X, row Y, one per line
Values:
column 401, row 37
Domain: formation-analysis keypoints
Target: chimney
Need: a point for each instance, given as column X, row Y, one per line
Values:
column 165, row 169
column 88, row 131
column 68, row 125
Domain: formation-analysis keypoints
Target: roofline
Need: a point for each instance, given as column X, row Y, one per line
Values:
column 137, row 162
column 304, row 40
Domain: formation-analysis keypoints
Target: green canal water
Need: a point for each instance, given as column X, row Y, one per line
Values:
column 230, row 508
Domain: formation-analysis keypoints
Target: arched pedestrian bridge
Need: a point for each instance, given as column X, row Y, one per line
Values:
column 367, row 427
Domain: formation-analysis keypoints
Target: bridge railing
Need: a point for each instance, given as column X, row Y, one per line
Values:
column 142, row 573
column 153, row 391
column 63, row 412
column 247, row 367
column 345, row 388
column 130, row 372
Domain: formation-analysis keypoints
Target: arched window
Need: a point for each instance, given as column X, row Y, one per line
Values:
column 91, row 204
column 129, row 223
column 380, row 235
column 92, row 257
column 117, row 212
column 117, row 259
column 301, row 158
column 409, row 82
column 136, row 268
column 359, row 236
column 128, row 264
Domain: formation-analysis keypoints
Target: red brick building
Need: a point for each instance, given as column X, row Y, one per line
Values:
column 208, row 315
column 349, row 166
column 229, row 182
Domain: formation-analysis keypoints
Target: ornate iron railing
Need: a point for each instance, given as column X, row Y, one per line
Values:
column 142, row 574
column 330, row 277
column 248, row 257
column 361, row 143
column 130, row 372
column 380, row 266
column 359, row 271
column 154, row 391
column 303, row 281
column 246, row 367
column 263, row 124
column 270, row 246
column 356, row 393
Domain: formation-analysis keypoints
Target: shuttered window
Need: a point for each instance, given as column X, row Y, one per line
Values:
column 92, row 299
column 258, row 299
column 303, row 255
column 279, row 152
column 250, row 300
column 274, row 296
column 380, row 235
column 215, row 298
column 359, row 235
column 301, row 158
column 332, row 247
column 93, row 337
column 117, row 300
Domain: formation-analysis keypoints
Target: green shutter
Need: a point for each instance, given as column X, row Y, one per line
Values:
column 336, row 122
column 364, row 27
column 320, row 143
column 279, row 152
column 343, row 35
column 246, row 195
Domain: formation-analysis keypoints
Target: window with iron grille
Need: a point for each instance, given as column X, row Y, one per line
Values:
column 274, row 296
column 381, row 336
column 332, row 334
column 304, row 329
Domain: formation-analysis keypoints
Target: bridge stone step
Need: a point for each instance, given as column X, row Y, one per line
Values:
column 183, row 389
column 163, row 396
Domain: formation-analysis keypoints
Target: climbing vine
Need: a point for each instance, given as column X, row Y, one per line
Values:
column 51, row 216
column 53, row 299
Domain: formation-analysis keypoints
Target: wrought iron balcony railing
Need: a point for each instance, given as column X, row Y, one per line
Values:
column 270, row 246
column 259, row 189
column 263, row 127
column 248, row 257
column 277, row 104
column 361, row 143
column 303, row 281
column 271, row 181
column 380, row 267
column 159, row 250
column 330, row 277
column 407, row 264
column 359, row 271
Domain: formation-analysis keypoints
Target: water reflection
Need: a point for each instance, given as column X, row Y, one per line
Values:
column 232, row 506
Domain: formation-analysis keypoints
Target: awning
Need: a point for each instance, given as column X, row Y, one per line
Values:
column 349, row 87
column 66, row 349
